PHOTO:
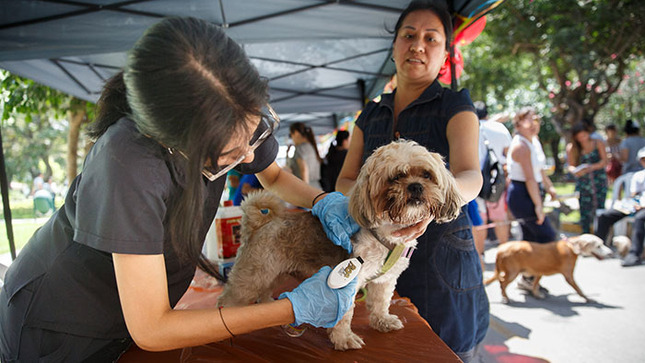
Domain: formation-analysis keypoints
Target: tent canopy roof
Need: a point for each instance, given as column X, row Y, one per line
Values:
column 320, row 57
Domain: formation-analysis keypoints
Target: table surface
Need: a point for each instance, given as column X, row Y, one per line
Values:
column 415, row 342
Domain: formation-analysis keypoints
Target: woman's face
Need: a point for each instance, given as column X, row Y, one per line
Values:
column 296, row 136
column 419, row 49
column 239, row 146
column 529, row 125
column 581, row 137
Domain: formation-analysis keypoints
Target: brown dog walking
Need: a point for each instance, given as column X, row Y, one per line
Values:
column 540, row 259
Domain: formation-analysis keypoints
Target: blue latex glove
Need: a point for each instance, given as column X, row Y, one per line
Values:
column 317, row 304
column 336, row 221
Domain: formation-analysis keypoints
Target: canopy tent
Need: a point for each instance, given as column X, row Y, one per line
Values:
column 322, row 58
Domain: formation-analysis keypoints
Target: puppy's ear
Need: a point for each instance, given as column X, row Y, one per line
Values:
column 361, row 206
column 451, row 206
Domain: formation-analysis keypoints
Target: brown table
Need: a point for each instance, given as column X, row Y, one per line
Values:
column 416, row 342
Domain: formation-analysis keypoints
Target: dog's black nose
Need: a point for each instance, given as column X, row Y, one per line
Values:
column 415, row 190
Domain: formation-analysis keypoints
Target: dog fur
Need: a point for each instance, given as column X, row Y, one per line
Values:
column 539, row 259
column 400, row 184
column 622, row 244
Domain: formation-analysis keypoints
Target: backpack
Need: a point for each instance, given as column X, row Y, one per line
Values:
column 493, row 174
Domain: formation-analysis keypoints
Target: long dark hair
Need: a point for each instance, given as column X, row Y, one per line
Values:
column 308, row 133
column 439, row 7
column 576, row 147
column 188, row 86
column 341, row 136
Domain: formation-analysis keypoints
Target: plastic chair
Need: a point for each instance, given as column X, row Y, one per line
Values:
column 43, row 204
column 621, row 185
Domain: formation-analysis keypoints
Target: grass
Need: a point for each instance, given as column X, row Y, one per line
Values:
column 22, row 232
column 23, row 221
column 569, row 189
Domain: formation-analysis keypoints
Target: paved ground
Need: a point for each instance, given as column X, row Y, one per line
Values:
column 562, row 327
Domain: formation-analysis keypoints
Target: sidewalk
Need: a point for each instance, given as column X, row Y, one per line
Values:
column 562, row 327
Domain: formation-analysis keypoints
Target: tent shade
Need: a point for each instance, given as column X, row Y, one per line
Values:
column 319, row 56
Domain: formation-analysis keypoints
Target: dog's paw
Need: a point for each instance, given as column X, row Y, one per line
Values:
column 505, row 300
column 539, row 295
column 346, row 340
column 385, row 323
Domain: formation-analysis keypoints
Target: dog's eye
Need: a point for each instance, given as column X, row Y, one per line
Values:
column 427, row 175
column 397, row 177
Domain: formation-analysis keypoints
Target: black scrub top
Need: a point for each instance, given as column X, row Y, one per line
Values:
column 117, row 204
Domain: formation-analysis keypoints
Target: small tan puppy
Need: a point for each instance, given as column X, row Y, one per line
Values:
column 539, row 259
column 622, row 244
column 400, row 184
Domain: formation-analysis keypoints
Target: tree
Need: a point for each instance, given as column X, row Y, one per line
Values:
column 35, row 127
column 566, row 57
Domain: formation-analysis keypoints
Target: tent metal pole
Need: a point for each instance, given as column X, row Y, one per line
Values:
column 4, row 187
column 361, row 88
column 453, row 74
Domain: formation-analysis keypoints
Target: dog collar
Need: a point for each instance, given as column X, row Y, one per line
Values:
column 399, row 251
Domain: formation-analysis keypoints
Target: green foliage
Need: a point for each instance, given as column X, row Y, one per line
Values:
column 34, row 126
column 566, row 57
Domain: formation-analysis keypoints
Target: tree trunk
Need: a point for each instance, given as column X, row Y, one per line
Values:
column 76, row 118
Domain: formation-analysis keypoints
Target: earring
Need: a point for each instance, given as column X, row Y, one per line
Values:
column 392, row 59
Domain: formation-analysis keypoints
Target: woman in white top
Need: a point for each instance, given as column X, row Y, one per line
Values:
column 525, row 166
column 305, row 163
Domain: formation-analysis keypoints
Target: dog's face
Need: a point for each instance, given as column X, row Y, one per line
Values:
column 403, row 183
column 622, row 244
column 590, row 245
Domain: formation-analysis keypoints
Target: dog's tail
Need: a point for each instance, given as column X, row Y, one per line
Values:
column 260, row 207
column 490, row 280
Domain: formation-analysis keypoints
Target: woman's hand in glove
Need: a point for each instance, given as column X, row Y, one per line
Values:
column 336, row 221
column 317, row 304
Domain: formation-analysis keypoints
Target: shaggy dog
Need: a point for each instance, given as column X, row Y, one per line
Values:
column 622, row 245
column 538, row 259
column 400, row 184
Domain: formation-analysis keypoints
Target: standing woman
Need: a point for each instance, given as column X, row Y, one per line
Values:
column 587, row 160
column 444, row 280
column 525, row 168
column 305, row 163
column 110, row 265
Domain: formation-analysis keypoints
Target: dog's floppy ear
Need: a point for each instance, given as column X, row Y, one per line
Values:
column 451, row 206
column 361, row 204
column 576, row 244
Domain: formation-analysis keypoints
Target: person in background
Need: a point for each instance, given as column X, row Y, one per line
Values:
column 614, row 166
column 611, row 216
column 232, row 182
column 109, row 266
column 525, row 166
column 444, row 279
column 38, row 183
column 333, row 161
column 248, row 184
column 305, row 163
column 587, row 160
column 629, row 147
column 499, row 140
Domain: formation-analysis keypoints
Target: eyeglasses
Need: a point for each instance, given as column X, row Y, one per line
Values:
column 269, row 122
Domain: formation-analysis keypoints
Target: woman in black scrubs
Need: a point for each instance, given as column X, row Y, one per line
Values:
column 109, row 266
